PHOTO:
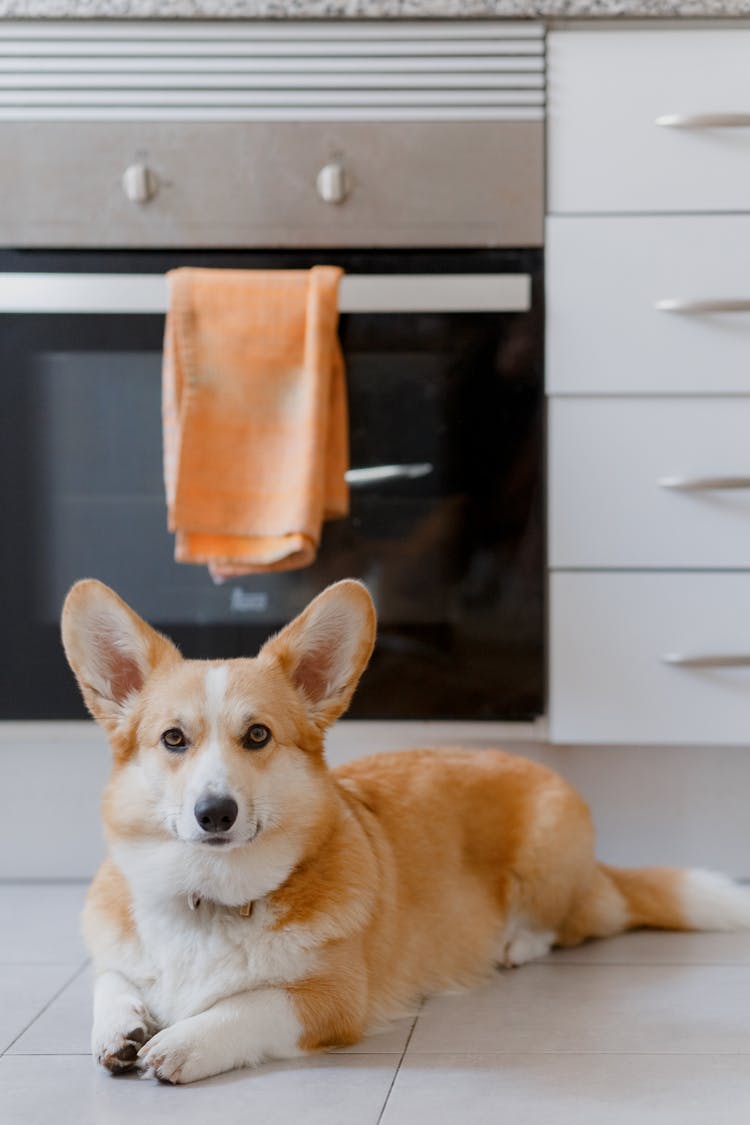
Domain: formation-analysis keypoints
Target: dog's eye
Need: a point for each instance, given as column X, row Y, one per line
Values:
column 174, row 739
column 257, row 736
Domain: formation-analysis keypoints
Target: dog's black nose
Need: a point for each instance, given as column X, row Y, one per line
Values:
column 216, row 814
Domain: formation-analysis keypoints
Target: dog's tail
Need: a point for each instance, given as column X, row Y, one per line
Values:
column 666, row 898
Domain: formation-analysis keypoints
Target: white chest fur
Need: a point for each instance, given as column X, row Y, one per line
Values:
column 187, row 959
column 183, row 960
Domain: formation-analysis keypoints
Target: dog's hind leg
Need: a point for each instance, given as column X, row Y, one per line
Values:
column 524, row 946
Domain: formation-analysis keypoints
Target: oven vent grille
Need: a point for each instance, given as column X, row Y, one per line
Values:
column 292, row 71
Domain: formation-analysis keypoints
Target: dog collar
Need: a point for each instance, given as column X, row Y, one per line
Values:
column 244, row 911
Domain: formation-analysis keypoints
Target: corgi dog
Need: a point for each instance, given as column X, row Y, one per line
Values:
column 256, row 905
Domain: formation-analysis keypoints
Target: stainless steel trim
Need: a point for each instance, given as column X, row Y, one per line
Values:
column 718, row 305
column 320, row 77
column 280, row 70
column 705, row 484
column 704, row 121
column 700, row 660
column 456, row 70
column 262, row 99
column 238, row 31
column 359, row 478
column 359, row 293
column 191, row 115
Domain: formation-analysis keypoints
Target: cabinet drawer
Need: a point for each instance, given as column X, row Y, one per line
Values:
column 605, row 279
column 608, row 89
column 609, row 635
column 657, row 482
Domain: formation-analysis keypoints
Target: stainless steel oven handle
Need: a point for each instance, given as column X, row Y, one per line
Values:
column 703, row 120
column 359, row 293
column 718, row 305
column 704, row 484
column 360, row 478
column 699, row 660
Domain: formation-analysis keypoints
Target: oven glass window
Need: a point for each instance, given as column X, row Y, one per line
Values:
column 453, row 557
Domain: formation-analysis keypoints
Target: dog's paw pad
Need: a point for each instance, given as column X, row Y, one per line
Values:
column 121, row 1054
column 127, row 1053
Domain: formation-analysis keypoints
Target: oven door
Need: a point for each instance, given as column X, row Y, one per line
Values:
column 444, row 376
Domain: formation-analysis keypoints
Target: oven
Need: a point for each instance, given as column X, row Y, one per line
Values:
column 434, row 212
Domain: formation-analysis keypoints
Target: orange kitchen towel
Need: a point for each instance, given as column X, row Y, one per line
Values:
column 254, row 412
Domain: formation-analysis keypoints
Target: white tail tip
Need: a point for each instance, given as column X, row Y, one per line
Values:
column 714, row 902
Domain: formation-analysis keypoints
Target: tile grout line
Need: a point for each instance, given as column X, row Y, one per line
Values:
column 457, row 1054
column 539, row 1054
column 44, row 1008
column 35, row 964
column 398, row 1065
column 541, row 964
column 42, row 881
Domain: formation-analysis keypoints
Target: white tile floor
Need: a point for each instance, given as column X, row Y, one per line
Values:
column 648, row 1028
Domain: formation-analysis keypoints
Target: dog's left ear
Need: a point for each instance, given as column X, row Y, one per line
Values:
column 111, row 650
column 325, row 650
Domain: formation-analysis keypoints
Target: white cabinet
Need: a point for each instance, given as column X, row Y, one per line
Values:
column 628, row 299
column 631, row 657
column 645, row 483
column 611, row 93
column 648, row 373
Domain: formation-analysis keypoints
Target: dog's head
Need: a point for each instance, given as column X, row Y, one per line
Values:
column 215, row 753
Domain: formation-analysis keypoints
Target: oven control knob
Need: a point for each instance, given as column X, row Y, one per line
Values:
column 139, row 183
column 333, row 183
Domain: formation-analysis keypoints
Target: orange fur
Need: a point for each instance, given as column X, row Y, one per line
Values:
column 652, row 897
column 333, row 1007
column 447, row 844
column 109, row 897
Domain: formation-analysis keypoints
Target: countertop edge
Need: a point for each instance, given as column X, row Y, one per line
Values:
column 546, row 10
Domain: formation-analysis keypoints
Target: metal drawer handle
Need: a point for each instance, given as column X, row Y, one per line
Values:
column 721, row 305
column 698, row 660
column 704, row 120
column 704, row 484
column 360, row 478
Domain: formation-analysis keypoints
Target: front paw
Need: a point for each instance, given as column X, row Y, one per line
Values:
column 117, row 1041
column 176, row 1055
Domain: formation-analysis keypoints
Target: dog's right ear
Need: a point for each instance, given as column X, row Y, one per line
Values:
column 111, row 650
column 325, row 650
